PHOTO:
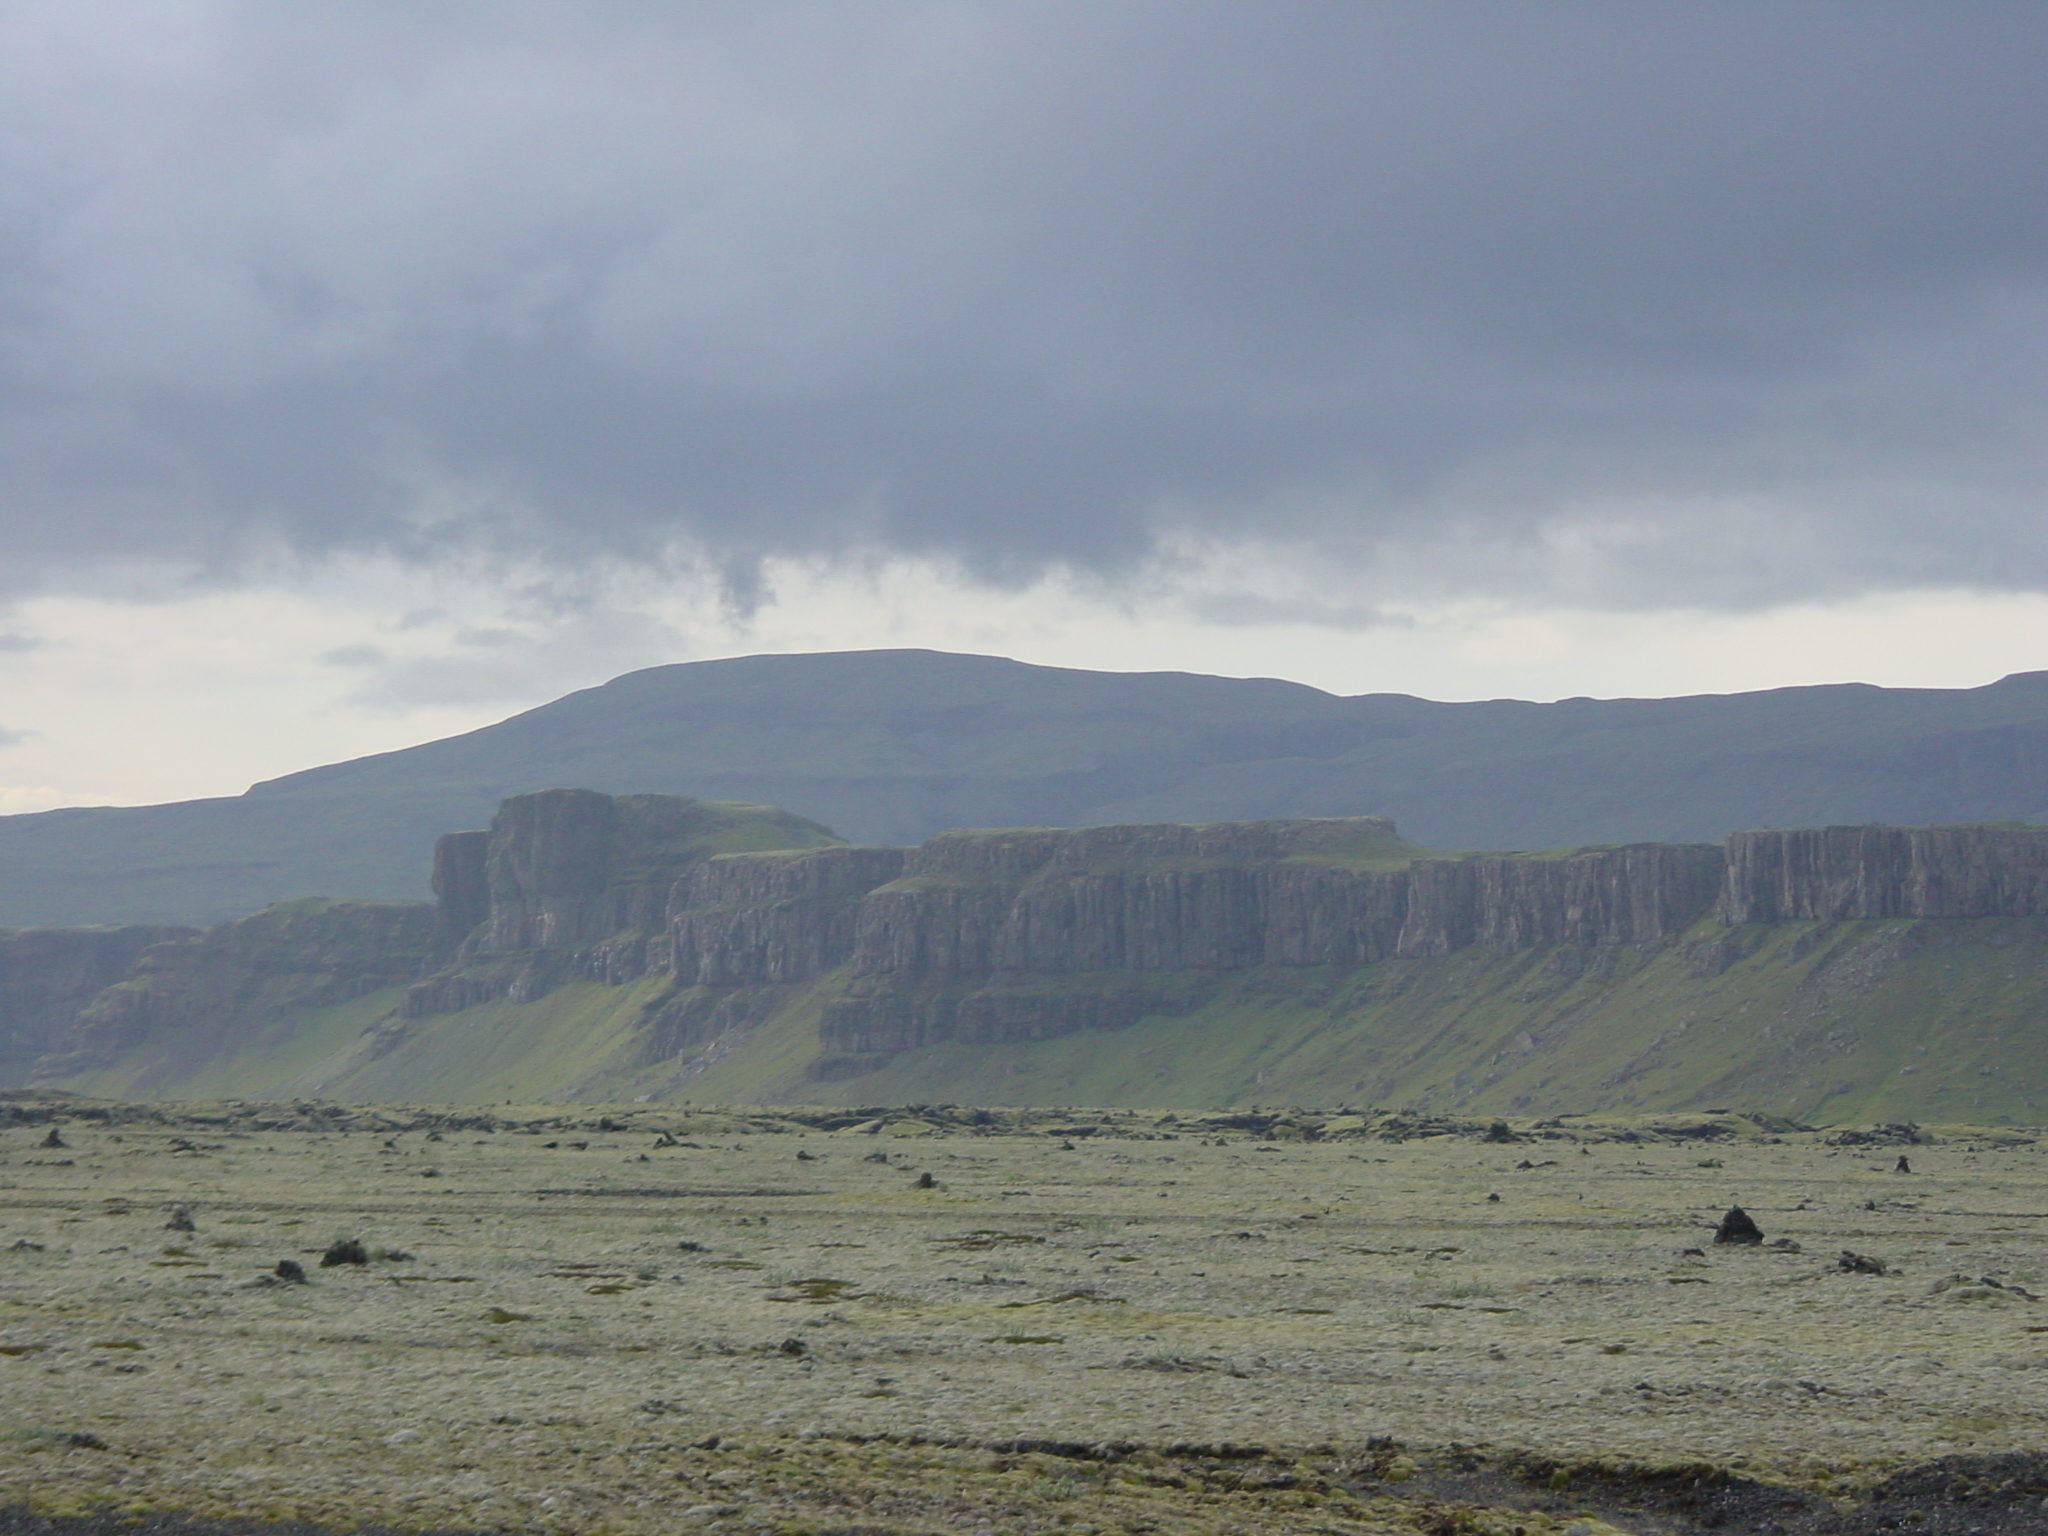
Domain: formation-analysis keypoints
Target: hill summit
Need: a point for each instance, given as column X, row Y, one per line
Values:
column 892, row 747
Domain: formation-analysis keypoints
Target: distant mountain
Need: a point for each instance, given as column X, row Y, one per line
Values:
column 893, row 746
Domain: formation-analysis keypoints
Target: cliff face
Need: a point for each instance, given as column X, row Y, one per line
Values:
column 1838, row 873
column 462, row 891
column 747, row 919
column 48, row 974
column 1635, row 895
column 1225, row 898
column 1164, row 898
column 568, row 866
column 568, row 885
column 1108, row 901
column 721, row 919
column 198, row 991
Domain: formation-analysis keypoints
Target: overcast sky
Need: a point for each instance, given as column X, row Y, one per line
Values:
column 370, row 371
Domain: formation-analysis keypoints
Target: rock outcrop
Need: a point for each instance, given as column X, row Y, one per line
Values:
column 1335, row 892
column 461, row 886
column 973, row 937
column 571, row 885
column 568, row 866
column 1157, row 898
column 983, row 909
column 195, row 992
column 1639, row 894
column 48, row 974
column 1838, row 873
column 749, row 918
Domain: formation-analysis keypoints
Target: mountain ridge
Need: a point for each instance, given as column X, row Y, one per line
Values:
column 894, row 746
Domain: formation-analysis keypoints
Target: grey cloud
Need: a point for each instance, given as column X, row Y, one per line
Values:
column 354, row 656
column 494, row 638
column 1632, row 303
column 1231, row 607
column 564, row 633
column 410, row 682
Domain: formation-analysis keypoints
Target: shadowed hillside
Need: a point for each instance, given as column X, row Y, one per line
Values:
column 894, row 746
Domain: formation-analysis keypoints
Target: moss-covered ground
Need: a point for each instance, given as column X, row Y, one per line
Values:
column 670, row 1319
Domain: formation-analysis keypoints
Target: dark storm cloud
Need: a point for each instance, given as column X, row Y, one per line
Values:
column 1629, row 303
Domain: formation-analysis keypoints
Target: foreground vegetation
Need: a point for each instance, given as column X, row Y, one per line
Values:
column 916, row 1320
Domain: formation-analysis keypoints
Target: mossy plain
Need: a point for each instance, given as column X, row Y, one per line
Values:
column 661, row 1318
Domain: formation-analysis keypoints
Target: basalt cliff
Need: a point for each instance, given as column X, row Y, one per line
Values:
column 596, row 946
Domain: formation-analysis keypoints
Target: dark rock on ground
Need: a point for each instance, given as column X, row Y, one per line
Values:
column 1738, row 1227
column 1996, row 1495
column 346, row 1250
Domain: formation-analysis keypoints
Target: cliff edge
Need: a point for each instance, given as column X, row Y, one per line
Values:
column 647, row 946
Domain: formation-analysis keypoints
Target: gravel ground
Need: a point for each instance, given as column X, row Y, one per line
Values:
column 564, row 1327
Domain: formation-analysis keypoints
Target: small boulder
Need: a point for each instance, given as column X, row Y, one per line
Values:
column 1738, row 1227
column 344, row 1250
column 1853, row 1263
column 794, row 1347
column 291, row 1271
column 181, row 1221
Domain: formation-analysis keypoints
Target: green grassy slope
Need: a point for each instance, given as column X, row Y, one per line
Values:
column 1831, row 1022
column 1821, row 1022
column 265, row 1062
column 892, row 746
